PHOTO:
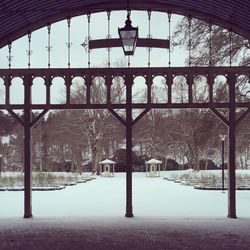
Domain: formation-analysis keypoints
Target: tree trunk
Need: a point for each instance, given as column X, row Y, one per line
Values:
column 96, row 155
column 45, row 152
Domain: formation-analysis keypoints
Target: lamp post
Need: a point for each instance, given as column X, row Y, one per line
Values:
column 1, row 161
column 222, row 137
column 128, row 35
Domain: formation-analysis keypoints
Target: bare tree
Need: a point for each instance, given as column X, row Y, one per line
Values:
column 210, row 44
column 69, row 133
column 213, row 45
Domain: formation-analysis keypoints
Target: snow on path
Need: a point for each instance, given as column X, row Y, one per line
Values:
column 106, row 197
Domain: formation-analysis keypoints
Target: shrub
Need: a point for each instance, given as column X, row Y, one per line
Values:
column 172, row 164
column 207, row 164
column 120, row 159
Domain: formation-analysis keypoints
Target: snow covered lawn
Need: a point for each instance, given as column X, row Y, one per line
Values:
column 106, row 197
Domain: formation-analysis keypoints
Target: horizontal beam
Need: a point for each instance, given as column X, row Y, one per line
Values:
column 141, row 42
column 127, row 73
column 123, row 106
column 44, row 72
column 119, row 71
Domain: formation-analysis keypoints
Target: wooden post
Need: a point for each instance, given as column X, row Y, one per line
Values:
column 48, row 80
column 7, row 92
column 232, row 148
column 68, row 85
column 27, row 149
column 222, row 164
column 129, row 120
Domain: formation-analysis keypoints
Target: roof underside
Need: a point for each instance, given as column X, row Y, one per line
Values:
column 18, row 17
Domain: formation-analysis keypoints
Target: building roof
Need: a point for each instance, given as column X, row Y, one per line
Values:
column 153, row 161
column 17, row 17
column 106, row 161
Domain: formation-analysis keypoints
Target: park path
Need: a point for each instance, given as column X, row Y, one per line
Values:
column 120, row 233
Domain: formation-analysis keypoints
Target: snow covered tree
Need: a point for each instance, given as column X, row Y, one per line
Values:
column 216, row 46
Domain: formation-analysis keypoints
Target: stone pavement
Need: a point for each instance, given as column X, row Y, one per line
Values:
column 111, row 233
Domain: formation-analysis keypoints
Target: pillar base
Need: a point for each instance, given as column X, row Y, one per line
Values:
column 129, row 215
column 232, row 216
column 28, row 216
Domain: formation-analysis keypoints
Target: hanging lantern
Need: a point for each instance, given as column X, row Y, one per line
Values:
column 128, row 36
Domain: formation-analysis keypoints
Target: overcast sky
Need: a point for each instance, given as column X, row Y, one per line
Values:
column 98, row 30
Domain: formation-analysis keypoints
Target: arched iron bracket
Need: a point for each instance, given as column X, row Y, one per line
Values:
column 242, row 116
column 138, row 118
column 220, row 116
column 117, row 116
column 37, row 119
column 18, row 118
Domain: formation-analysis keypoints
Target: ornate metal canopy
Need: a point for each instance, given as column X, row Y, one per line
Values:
column 19, row 17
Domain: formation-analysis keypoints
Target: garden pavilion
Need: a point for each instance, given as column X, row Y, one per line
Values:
column 107, row 168
column 153, row 168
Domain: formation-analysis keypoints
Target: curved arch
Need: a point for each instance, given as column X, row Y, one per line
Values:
column 98, row 90
column 38, row 91
column 2, row 91
column 242, row 88
column 118, row 90
column 36, row 14
column 220, row 89
column 17, row 90
column 179, row 89
column 200, row 89
column 58, row 90
column 78, row 90
column 139, row 90
column 159, row 90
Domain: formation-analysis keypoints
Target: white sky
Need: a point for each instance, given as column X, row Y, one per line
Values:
column 79, row 57
column 98, row 30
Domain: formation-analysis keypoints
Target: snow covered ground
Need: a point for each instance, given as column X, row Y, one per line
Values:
column 106, row 197
column 91, row 216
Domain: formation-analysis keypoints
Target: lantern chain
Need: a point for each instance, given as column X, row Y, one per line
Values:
column 9, row 57
column 108, row 36
column 49, row 47
column 88, row 38
column 128, row 13
column 149, row 36
column 85, row 44
column 29, row 51
column 169, row 38
column 69, row 43
column 189, row 42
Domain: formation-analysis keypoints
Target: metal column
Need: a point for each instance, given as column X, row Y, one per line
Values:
column 232, row 148
column 129, row 120
column 27, row 151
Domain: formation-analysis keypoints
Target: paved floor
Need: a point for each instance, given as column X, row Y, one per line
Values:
column 124, row 233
